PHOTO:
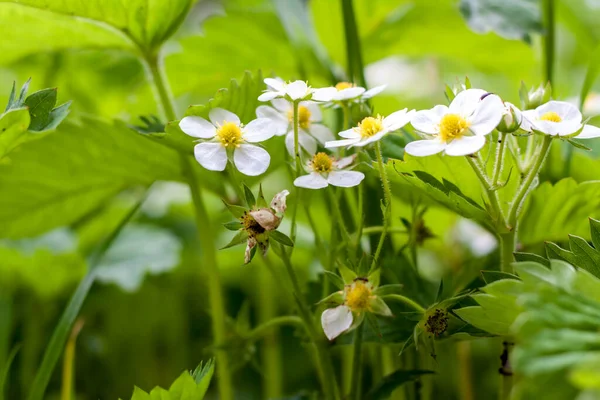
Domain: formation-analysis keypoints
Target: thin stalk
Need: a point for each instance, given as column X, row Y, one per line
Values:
column 69, row 362
column 499, row 162
column 298, row 170
column 387, row 193
column 355, row 382
column 550, row 20
column 406, row 300
column 324, row 364
column 335, row 209
column 63, row 328
column 526, row 184
column 264, row 328
column 491, row 193
column 205, row 236
column 353, row 51
column 378, row 229
column 465, row 372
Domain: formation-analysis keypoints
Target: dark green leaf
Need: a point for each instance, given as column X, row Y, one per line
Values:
column 531, row 257
column 233, row 225
column 250, row 200
column 40, row 105
column 281, row 238
column 392, row 381
column 493, row 276
column 595, row 232
column 57, row 116
column 5, row 370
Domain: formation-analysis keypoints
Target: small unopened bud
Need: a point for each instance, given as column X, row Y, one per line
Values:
column 511, row 119
column 534, row 97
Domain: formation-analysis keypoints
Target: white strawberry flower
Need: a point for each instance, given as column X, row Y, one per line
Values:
column 559, row 118
column 324, row 170
column 277, row 88
column 372, row 129
column 346, row 91
column 459, row 129
column 311, row 130
column 225, row 132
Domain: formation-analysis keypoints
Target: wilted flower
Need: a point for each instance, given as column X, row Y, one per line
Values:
column 460, row 129
column 309, row 117
column 559, row 118
column 346, row 92
column 372, row 129
column 258, row 224
column 226, row 133
column 277, row 88
column 325, row 170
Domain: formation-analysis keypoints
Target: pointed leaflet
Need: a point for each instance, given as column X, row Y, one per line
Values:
column 250, row 200
column 281, row 238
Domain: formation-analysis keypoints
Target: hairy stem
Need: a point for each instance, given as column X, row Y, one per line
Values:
column 499, row 162
column 264, row 328
column 387, row 193
column 405, row 300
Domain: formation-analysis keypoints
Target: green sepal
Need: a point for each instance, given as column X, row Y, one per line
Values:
column 578, row 145
column 378, row 306
column 14, row 103
column 449, row 93
column 281, row 238
column 384, row 290
column 233, row 225
column 375, row 277
column 236, row 211
column 347, row 274
column 336, row 298
column 261, row 202
column 250, row 200
column 240, row 238
column 335, row 279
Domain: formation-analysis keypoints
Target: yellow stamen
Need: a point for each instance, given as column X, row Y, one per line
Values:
column 344, row 85
column 452, row 126
column 321, row 163
column 551, row 116
column 303, row 117
column 358, row 295
column 230, row 134
column 370, row 126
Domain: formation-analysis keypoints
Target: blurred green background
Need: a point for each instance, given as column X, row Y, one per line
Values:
column 147, row 320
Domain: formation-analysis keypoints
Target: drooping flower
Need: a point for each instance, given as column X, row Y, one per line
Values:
column 460, row 129
column 561, row 119
column 225, row 133
column 359, row 296
column 324, row 170
column 309, row 117
column 258, row 224
column 277, row 88
column 346, row 92
column 372, row 129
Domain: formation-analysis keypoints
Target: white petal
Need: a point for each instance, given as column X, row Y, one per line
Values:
column 311, row 181
column 372, row 139
column 197, row 127
column 321, row 133
column 487, row 115
column 219, row 116
column 305, row 141
column 279, row 123
column 466, row 101
column 270, row 95
column 251, row 160
column 589, row 132
column 373, row 91
column 397, row 120
column 563, row 128
column 276, row 84
column 211, row 156
column 345, row 178
column 324, row 94
column 258, row 130
column 282, row 105
column 566, row 111
column 344, row 162
column 315, row 110
column 349, row 93
column 428, row 121
column 297, row 90
column 336, row 321
column 349, row 134
column 465, row 145
column 423, row 148
column 341, row 143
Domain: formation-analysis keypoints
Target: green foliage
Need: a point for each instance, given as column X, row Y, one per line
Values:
column 581, row 254
column 13, row 130
column 513, row 19
column 389, row 383
column 189, row 386
column 5, row 371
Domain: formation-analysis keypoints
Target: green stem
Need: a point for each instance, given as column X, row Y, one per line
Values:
column 267, row 326
column 507, row 248
column 549, row 16
column 490, row 191
column 378, row 229
column 353, row 51
column 405, row 300
column 205, row 236
column 499, row 162
column 63, row 328
column 335, row 209
column 324, row 364
column 298, row 170
column 68, row 363
column 355, row 392
column 526, row 184
column 387, row 193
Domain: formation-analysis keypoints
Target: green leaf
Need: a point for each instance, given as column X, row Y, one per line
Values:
column 40, row 191
column 13, row 101
column 239, row 238
column 578, row 145
column 261, row 202
column 95, row 23
column 139, row 250
column 493, row 276
column 389, row 383
column 250, row 200
column 5, row 370
column 40, row 105
column 531, row 257
column 335, row 279
column 13, row 130
column 204, row 373
column 512, row 19
column 236, row 211
column 281, row 238
column 595, row 232
column 233, row 225
column 582, row 255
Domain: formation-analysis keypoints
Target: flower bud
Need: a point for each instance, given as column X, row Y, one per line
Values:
column 511, row 119
column 534, row 97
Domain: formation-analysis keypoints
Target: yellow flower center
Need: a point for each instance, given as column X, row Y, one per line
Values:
column 321, row 163
column 551, row 116
column 344, row 85
column 452, row 126
column 230, row 134
column 370, row 126
column 358, row 295
column 303, row 117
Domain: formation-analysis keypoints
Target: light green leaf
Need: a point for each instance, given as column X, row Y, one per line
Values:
column 239, row 238
column 137, row 251
column 281, row 238
column 13, row 130
column 582, row 255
